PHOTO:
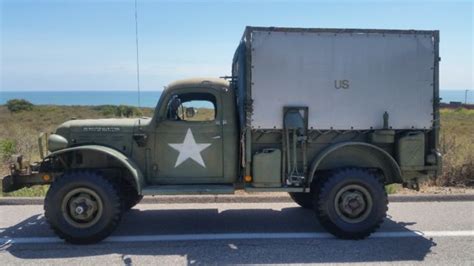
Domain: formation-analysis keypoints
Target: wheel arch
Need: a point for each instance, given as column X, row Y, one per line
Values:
column 357, row 154
column 125, row 162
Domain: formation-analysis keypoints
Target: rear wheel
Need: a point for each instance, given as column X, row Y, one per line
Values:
column 351, row 203
column 305, row 200
column 82, row 207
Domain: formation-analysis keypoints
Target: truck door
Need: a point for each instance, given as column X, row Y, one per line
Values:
column 189, row 142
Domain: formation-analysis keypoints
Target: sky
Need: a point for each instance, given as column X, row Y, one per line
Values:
column 90, row 45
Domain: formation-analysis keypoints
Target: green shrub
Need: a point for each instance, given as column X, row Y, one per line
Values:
column 119, row 111
column 18, row 105
column 127, row 111
column 106, row 110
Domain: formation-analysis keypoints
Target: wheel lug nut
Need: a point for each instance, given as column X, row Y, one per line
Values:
column 79, row 210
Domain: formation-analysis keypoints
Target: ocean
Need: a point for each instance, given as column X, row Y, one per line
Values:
column 147, row 98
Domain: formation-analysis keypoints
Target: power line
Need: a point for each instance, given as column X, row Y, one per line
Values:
column 138, row 60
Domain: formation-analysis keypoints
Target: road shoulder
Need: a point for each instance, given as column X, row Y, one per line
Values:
column 251, row 198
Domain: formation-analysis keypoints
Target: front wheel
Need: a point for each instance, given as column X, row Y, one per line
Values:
column 82, row 207
column 351, row 203
column 130, row 201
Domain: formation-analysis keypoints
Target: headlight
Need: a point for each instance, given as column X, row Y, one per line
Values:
column 56, row 142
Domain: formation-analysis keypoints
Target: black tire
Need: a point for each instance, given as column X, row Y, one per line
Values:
column 305, row 200
column 130, row 201
column 129, row 194
column 97, row 198
column 351, row 203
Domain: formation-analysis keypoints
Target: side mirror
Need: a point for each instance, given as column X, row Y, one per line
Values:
column 190, row 112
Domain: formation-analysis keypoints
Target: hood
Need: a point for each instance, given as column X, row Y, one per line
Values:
column 116, row 132
column 100, row 123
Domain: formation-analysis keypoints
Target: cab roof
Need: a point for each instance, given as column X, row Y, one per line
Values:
column 199, row 82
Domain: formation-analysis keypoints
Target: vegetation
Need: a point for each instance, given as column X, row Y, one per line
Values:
column 19, row 132
column 36, row 191
column 18, row 105
column 7, row 149
column 118, row 111
column 457, row 147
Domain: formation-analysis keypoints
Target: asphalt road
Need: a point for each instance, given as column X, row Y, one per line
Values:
column 245, row 233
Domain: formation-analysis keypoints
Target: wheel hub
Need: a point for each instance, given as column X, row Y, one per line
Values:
column 353, row 203
column 82, row 207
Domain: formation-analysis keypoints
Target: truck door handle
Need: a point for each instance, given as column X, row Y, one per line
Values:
column 216, row 137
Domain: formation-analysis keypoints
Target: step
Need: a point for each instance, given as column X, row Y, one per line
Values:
column 275, row 189
column 188, row 189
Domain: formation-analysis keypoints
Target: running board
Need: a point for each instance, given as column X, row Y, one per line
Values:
column 188, row 189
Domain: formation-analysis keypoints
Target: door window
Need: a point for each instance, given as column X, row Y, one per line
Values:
column 192, row 107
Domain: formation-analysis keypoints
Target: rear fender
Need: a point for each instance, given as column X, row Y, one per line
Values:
column 357, row 154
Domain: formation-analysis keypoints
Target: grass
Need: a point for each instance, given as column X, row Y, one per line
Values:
column 35, row 191
column 19, row 132
column 457, row 147
column 392, row 189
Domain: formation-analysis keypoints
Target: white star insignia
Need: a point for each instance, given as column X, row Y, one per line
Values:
column 189, row 149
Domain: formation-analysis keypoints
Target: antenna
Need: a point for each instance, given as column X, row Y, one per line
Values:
column 138, row 60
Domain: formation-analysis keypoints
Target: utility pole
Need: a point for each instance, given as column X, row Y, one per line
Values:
column 465, row 96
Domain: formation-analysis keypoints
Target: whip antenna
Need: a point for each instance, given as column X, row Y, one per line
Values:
column 138, row 60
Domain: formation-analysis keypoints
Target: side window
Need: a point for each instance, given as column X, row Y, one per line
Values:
column 192, row 107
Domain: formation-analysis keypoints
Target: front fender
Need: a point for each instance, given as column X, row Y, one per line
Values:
column 124, row 160
column 357, row 154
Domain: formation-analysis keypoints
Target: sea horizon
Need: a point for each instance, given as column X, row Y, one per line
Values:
column 148, row 98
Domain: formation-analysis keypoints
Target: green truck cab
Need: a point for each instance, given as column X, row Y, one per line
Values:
column 330, row 116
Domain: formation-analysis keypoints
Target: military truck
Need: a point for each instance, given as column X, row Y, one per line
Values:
column 330, row 116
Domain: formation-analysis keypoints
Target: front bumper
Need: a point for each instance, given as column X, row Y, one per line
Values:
column 23, row 174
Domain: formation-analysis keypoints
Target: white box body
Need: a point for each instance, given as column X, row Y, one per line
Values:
column 348, row 80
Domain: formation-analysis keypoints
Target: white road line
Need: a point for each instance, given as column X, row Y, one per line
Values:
column 238, row 236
